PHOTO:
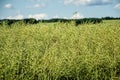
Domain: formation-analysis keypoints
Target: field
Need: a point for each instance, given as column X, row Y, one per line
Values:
column 60, row 51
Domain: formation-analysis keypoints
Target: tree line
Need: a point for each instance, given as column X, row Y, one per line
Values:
column 77, row 21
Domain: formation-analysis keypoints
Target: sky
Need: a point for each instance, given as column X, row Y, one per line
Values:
column 47, row 9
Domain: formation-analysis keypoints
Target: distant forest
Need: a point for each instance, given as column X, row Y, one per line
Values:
column 34, row 21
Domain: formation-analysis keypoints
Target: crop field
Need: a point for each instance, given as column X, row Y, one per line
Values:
column 60, row 51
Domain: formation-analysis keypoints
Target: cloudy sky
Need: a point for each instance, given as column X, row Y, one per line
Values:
column 46, row 9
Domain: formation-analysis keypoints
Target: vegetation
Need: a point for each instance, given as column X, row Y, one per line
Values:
column 111, row 18
column 77, row 21
column 60, row 51
column 34, row 21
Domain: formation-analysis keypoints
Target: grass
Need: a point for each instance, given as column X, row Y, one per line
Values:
column 59, row 51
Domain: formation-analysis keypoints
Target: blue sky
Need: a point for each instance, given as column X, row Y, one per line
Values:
column 46, row 9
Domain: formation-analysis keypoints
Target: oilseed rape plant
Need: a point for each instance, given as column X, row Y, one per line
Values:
column 60, row 51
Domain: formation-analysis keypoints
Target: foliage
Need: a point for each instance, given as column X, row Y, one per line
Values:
column 111, row 18
column 34, row 21
column 30, row 21
column 9, row 22
column 60, row 51
column 88, row 20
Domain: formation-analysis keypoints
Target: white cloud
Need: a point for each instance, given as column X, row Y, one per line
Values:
column 56, row 16
column 77, row 16
column 38, row 16
column 19, row 16
column 36, row 6
column 38, row 0
column 77, row 2
column 117, row 6
column 35, row 16
column 34, row 0
column 39, row 5
column 88, row 2
column 9, row 6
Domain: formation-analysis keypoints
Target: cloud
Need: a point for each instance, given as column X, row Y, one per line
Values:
column 38, row 16
column 9, row 6
column 35, row 16
column 117, row 6
column 77, row 16
column 56, row 16
column 34, row 0
column 19, row 16
column 88, row 2
column 38, row 0
column 36, row 6
column 39, row 5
